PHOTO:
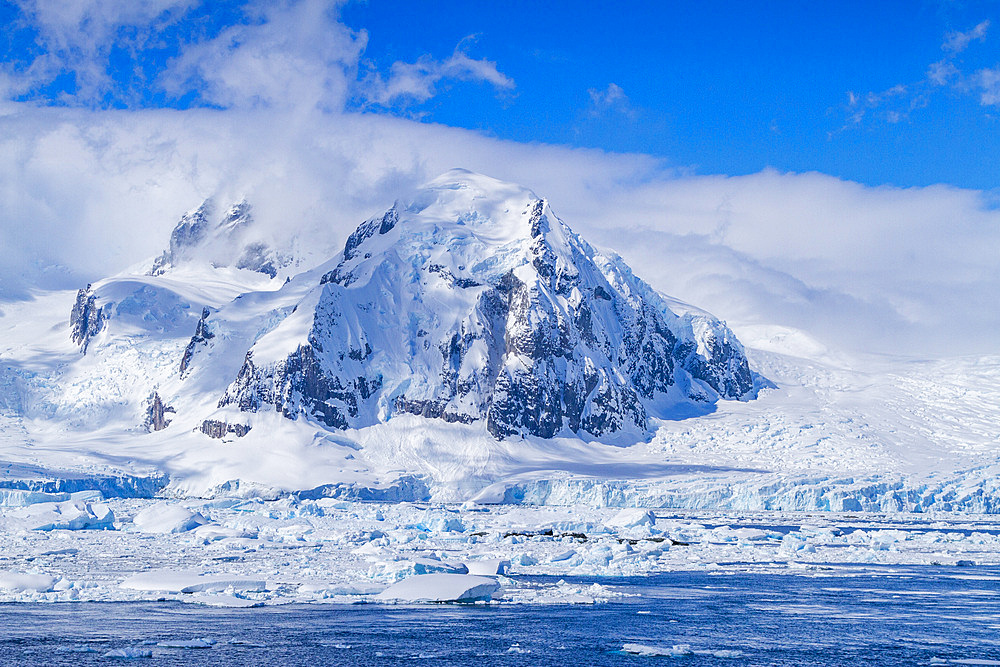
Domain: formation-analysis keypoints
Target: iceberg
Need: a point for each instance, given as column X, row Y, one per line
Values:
column 440, row 588
column 165, row 518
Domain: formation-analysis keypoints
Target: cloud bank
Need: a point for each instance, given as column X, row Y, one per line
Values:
column 86, row 194
column 86, row 191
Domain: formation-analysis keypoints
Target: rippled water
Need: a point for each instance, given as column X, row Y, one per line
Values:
column 889, row 616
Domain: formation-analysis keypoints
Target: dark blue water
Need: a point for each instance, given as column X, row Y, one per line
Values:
column 901, row 616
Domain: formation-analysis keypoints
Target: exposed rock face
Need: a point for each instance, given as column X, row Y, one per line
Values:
column 191, row 231
column 87, row 318
column 156, row 413
column 215, row 428
column 475, row 303
column 201, row 336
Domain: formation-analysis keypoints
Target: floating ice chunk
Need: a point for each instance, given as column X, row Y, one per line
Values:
column 131, row 653
column 167, row 518
column 80, row 648
column 488, row 567
column 658, row 651
column 211, row 532
column 326, row 590
column 632, row 517
column 433, row 565
column 443, row 523
column 187, row 643
column 677, row 650
column 68, row 515
column 440, row 588
column 561, row 556
column 17, row 582
column 526, row 560
column 221, row 600
column 169, row 581
column 23, row 497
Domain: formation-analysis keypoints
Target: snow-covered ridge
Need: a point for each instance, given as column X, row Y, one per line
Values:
column 475, row 303
column 466, row 344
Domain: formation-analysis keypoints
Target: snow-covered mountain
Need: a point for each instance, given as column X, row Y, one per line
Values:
column 465, row 343
column 475, row 303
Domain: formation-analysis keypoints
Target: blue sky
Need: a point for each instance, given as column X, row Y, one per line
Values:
column 711, row 87
column 723, row 87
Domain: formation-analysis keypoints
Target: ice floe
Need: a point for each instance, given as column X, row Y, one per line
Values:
column 440, row 588
column 167, row 518
column 167, row 581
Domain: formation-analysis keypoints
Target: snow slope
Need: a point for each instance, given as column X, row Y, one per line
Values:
column 183, row 372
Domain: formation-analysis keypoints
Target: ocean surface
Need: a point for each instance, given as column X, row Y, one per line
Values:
column 837, row 616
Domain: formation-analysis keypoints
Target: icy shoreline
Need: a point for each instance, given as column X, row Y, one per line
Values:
column 248, row 552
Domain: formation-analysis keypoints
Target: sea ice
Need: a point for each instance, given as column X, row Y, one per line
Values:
column 632, row 517
column 440, row 588
column 657, row 651
column 186, row 643
column 488, row 567
column 167, row 518
column 17, row 582
column 169, row 581
column 131, row 653
column 67, row 515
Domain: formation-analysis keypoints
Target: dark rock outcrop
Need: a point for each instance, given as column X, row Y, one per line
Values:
column 227, row 242
column 215, row 428
column 87, row 318
column 191, row 231
column 156, row 413
column 202, row 334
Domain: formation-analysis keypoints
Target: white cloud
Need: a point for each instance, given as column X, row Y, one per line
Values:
column 84, row 194
column 78, row 36
column 896, row 103
column 956, row 42
column 942, row 72
column 877, row 268
column 988, row 81
column 294, row 53
column 612, row 98
column 418, row 81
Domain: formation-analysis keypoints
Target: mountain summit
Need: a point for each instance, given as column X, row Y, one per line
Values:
column 473, row 303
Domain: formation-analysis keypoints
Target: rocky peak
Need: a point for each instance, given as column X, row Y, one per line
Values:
column 475, row 303
column 229, row 241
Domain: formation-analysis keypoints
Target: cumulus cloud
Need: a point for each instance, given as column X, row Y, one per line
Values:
column 988, row 81
column 289, row 53
column 418, row 81
column 612, row 98
column 956, row 42
column 76, row 38
column 85, row 193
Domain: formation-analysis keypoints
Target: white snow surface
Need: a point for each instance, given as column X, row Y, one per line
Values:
column 440, row 588
column 835, row 432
